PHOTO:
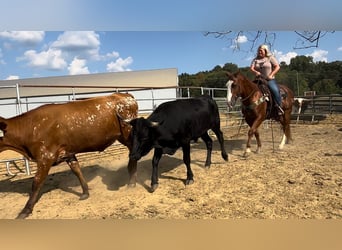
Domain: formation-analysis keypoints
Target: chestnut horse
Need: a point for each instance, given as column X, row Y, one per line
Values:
column 256, row 108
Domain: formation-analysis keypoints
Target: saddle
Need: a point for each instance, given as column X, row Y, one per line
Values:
column 267, row 93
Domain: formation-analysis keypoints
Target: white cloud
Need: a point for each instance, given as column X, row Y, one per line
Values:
column 238, row 42
column 73, row 50
column 11, row 77
column 120, row 65
column 77, row 67
column 241, row 39
column 319, row 55
column 2, row 62
column 113, row 54
column 83, row 44
column 50, row 59
column 24, row 37
column 285, row 57
column 339, row 49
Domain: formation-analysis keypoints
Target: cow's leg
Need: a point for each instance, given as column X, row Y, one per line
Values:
column 220, row 138
column 186, row 159
column 132, row 171
column 155, row 161
column 38, row 181
column 209, row 144
column 75, row 167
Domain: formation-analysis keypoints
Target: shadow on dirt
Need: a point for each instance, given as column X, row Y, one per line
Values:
column 114, row 179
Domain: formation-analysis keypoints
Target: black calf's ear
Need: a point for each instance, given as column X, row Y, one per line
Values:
column 133, row 122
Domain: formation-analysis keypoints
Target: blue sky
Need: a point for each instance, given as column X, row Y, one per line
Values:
column 119, row 35
column 38, row 54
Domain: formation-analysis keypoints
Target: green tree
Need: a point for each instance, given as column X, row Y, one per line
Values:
column 325, row 87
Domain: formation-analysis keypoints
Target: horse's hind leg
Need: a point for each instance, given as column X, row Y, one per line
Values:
column 286, row 129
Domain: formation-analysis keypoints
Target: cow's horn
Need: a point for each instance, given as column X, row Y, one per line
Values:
column 154, row 124
column 127, row 120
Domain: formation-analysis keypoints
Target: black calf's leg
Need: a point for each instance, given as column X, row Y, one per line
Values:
column 132, row 171
column 209, row 144
column 155, row 161
column 220, row 138
column 186, row 159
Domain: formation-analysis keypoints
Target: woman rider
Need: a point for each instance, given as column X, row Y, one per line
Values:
column 266, row 65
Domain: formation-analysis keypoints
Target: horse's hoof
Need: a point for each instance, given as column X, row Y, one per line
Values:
column 246, row 155
column 84, row 197
column 189, row 182
column 154, row 187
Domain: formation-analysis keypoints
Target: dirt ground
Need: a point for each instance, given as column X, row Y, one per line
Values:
column 302, row 181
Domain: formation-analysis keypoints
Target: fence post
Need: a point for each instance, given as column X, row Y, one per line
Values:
column 18, row 98
column 152, row 95
column 330, row 104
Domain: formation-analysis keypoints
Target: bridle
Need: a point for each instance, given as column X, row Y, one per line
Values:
column 253, row 104
column 246, row 98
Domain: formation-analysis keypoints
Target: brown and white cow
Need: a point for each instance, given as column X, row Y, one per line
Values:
column 54, row 133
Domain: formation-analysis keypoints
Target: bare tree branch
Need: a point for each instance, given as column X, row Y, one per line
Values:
column 307, row 39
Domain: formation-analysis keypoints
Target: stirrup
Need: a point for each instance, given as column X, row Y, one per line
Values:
column 280, row 111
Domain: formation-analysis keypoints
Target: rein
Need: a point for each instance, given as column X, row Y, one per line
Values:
column 246, row 98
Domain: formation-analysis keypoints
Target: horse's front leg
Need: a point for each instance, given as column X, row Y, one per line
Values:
column 248, row 145
column 257, row 137
column 253, row 131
